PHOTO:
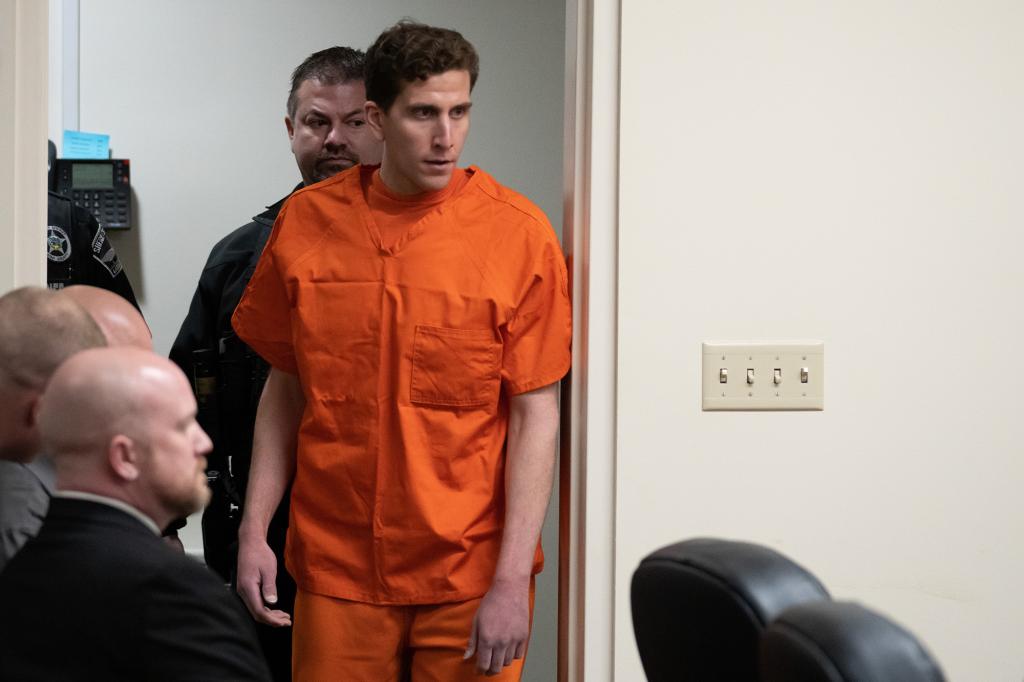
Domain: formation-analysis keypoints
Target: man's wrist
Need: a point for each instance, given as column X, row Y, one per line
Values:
column 511, row 579
column 251, row 531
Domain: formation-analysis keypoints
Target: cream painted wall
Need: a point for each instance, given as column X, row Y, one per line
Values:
column 194, row 93
column 849, row 172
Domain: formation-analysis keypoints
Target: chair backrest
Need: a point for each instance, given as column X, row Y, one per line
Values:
column 842, row 642
column 699, row 607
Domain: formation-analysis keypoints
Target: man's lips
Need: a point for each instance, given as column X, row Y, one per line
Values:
column 345, row 161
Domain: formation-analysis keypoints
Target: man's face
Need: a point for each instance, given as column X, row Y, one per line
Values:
column 176, row 447
column 329, row 132
column 423, row 132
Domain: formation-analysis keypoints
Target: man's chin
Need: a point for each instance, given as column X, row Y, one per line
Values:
column 193, row 504
column 329, row 170
column 202, row 499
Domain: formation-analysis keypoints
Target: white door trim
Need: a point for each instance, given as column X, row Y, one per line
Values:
column 590, row 226
column 23, row 73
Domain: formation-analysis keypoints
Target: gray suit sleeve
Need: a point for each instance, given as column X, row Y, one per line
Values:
column 23, row 504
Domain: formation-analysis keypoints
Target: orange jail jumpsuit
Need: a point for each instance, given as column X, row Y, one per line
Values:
column 407, row 349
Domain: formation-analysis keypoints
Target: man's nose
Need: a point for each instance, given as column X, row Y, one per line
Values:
column 335, row 137
column 203, row 443
column 443, row 133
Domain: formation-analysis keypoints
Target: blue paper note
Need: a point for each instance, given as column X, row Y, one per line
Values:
column 79, row 145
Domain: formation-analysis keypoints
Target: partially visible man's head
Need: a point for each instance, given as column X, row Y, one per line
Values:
column 326, row 121
column 39, row 329
column 121, row 422
column 418, row 84
column 121, row 323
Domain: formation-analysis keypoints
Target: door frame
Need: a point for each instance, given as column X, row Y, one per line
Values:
column 23, row 72
column 587, row 470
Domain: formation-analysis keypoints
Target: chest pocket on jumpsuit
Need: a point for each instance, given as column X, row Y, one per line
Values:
column 455, row 367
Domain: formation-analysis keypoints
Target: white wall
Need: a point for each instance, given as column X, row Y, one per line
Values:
column 849, row 172
column 194, row 94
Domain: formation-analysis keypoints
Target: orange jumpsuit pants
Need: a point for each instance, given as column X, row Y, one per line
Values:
column 336, row 639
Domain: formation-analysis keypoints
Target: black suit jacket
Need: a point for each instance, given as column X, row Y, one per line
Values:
column 98, row 596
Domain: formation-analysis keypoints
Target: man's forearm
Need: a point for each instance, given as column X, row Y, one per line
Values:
column 273, row 453
column 529, row 469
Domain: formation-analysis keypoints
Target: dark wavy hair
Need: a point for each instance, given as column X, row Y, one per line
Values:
column 409, row 51
column 332, row 66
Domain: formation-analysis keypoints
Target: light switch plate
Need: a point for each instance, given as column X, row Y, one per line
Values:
column 738, row 358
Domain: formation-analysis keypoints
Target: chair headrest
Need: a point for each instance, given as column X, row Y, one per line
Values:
column 700, row 605
column 842, row 642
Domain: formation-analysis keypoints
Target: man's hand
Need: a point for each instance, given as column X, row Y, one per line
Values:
column 501, row 626
column 257, row 581
column 273, row 465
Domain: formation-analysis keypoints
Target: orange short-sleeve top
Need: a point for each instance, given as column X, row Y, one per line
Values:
column 407, row 354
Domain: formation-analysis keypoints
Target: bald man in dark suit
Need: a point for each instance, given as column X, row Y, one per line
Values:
column 97, row 595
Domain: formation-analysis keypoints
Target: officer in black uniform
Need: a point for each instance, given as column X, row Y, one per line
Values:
column 328, row 134
column 78, row 251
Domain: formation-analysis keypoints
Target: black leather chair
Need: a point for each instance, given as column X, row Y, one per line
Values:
column 842, row 642
column 699, row 607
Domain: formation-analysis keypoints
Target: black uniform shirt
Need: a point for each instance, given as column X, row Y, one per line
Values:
column 207, row 326
column 78, row 251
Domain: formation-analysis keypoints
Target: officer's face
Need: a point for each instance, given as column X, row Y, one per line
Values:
column 423, row 132
column 176, row 447
column 329, row 132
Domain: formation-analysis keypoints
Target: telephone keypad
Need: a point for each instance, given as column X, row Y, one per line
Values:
column 111, row 207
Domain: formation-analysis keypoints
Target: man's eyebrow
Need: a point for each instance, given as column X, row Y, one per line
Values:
column 433, row 107
column 354, row 112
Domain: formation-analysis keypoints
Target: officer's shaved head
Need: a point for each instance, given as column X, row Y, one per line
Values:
column 120, row 321
column 121, row 422
column 39, row 329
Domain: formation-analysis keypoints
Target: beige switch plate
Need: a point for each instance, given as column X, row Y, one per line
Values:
column 764, row 359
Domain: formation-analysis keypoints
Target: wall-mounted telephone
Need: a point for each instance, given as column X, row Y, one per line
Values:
column 103, row 186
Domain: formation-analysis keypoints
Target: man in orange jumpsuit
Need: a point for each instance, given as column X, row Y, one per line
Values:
column 417, row 319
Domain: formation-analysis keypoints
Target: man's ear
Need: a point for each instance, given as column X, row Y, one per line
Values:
column 375, row 119
column 30, row 417
column 290, row 126
column 124, row 458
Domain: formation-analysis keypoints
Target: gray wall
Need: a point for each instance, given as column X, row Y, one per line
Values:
column 194, row 94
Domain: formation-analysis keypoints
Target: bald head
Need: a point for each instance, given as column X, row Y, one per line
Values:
column 121, row 422
column 97, row 394
column 121, row 323
column 39, row 329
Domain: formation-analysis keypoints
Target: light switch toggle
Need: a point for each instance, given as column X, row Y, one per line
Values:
column 749, row 375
